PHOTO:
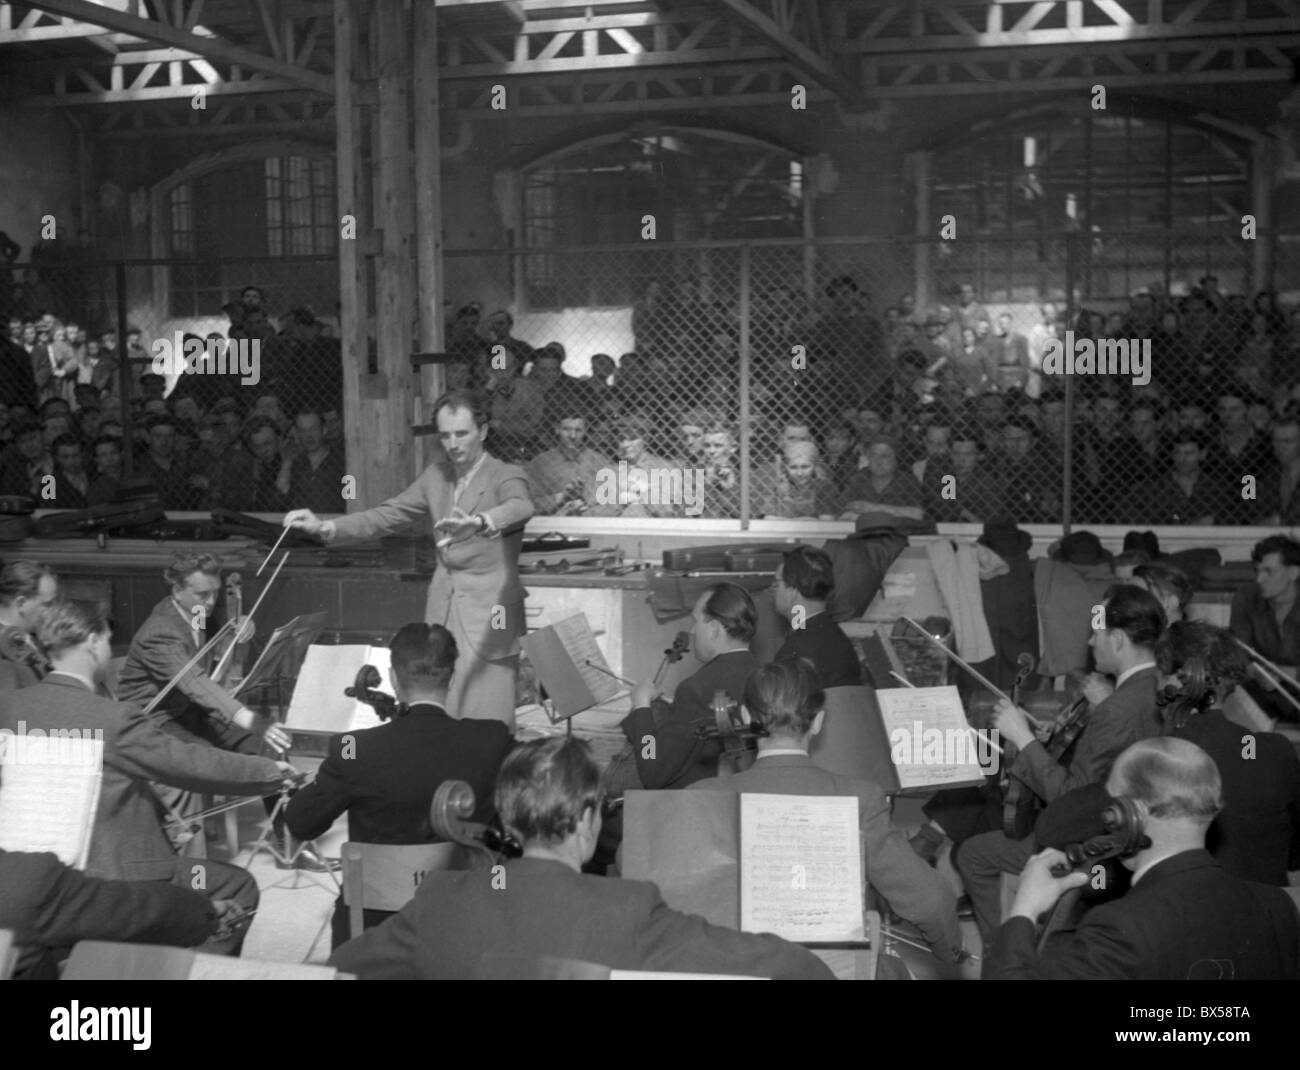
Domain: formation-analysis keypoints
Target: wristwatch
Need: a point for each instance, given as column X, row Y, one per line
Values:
column 480, row 522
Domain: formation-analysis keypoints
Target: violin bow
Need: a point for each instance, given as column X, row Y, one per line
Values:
column 230, row 650
column 202, row 652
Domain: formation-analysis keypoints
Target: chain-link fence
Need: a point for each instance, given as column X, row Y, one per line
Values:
column 927, row 379
column 226, row 379
column 744, row 379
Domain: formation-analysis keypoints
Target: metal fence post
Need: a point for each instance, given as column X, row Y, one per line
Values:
column 124, row 370
column 746, row 482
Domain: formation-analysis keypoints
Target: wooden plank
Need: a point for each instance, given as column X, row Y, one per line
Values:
column 428, row 212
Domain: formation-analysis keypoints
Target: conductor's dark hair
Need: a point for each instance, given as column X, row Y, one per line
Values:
column 470, row 400
column 1287, row 548
column 545, row 786
column 1136, row 612
column 731, row 606
column 185, row 564
column 809, row 571
column 785, row 696
column 21, row 579
column 69, row 623
column 423, row 653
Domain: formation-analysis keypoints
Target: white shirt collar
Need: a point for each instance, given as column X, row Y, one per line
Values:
column 778, row 752
column 1119, row 680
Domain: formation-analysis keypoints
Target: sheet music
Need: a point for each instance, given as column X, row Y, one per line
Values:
column 47, row 804
column 580, row 644
column 801, row 866
column 224, row 968
column 930, row 740
column 318, row 702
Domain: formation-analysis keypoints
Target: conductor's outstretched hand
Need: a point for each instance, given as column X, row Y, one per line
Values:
column 303, row 520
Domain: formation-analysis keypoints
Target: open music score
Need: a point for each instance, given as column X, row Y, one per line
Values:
column 318, row 703
column 801, row 867
column 571, row 666
column 48, row 804
column 927, row 726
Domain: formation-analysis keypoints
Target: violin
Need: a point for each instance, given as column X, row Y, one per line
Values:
column 739, row 737
column 363, row 690
column 449, row 815
column 681, row 646
column 1020, row 806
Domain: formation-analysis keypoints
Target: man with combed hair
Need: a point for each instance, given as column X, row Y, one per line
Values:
column 26, row 588
column 127, row 842
column 1265, row 614
column 803, row 584
column 786, row 699
column 1184, row 918
column 384, row 778
column 468, row 924
column 479, row 506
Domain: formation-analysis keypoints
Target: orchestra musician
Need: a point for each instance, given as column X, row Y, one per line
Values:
column 199, row 708
column 1184, row 918
column 549, row 798
column 1124, row 648
column 26, row 587
column 1265, row 615
column 787, row 700
column 661, row 735
column 479, row 506
column 803, row 584
column 384, row 778
column 127, row 842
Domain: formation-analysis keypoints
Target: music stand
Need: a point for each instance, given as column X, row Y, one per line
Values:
column 283, row 655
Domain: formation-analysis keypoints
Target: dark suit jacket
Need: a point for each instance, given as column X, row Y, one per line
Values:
column 50, row 906
column 1186, row 919
column 679, row 758
column 389, row 774
column 1128, row 715
column 824, row 643
column 163, row 643
column 1257, row 836
column 896, row 871
column 544, row 908
column 128, row 841
column 474, row 574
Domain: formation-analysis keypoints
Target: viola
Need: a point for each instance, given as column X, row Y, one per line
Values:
column 236, row 660
column 681, row 646
column 1020, row 806
column 739, row 737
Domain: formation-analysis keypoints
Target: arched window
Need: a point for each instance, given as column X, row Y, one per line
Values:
column 1158, row 198
column 697, row 184
column 249, row 205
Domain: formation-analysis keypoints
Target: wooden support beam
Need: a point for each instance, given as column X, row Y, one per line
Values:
column 428, row 211
column 352, row 291
column 799, row 54
column 388, row 459
column 210, row 46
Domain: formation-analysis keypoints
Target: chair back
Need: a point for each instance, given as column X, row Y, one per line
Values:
column 852, row 741
column 385, row 876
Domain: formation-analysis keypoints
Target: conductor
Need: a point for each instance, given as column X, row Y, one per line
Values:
column 479, row 506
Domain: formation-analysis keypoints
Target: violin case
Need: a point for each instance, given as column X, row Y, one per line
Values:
column 228, row 522
column 727, row 557
column 117, row 518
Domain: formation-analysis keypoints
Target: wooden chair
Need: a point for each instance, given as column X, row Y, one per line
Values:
column 101, row 960
column 385, row 876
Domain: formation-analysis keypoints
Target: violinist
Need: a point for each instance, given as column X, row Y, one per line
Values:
column 786, row 700
column 1123, row 647
column 662, row 735
column 199, row 708
column 804, row 583
column 384, row 778
column 26, row 587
